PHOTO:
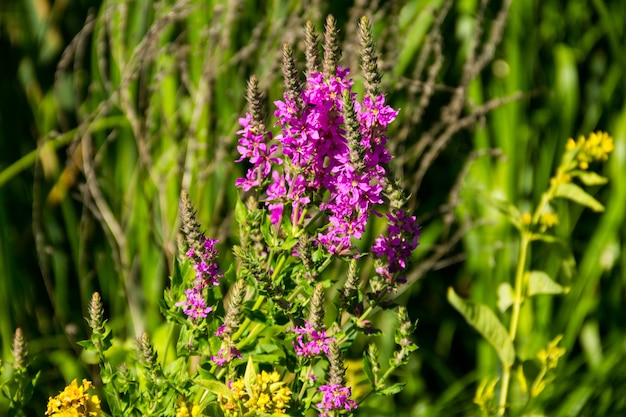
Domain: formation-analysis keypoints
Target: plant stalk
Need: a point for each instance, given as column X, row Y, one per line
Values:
column 517, row 304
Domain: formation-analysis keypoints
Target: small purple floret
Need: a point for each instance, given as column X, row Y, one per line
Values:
column 311, row 342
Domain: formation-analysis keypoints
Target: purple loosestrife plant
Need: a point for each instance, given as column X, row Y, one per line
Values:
column 265, row 337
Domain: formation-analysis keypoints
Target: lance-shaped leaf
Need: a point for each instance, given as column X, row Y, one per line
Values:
column 249, row 377
column 540, row 283
column 216, row 387
column 241, row 213
column 485, row 321
column 392, row 390
column 590, row 177
column 577, row 194
column 367, row 367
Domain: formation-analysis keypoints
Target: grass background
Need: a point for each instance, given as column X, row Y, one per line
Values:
column 109, row 107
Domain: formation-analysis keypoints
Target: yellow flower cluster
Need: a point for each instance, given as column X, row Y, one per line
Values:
column 183, row 410
column 485, row 392
column 550, row 356
column 75, row 401
column 596, row 147
column 549, row 219
column 267, row 395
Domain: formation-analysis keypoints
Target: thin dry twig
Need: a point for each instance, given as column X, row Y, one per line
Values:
column 442, row 140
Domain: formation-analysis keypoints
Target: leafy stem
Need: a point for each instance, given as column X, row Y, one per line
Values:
column 517, row 304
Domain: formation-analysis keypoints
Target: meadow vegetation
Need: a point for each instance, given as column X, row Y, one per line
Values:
column 172, row 242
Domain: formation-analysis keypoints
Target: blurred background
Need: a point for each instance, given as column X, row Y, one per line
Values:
column 109, row 108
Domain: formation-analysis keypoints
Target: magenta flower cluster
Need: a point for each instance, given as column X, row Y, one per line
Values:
column 395, row 249
column 335, row 397
column 207, row 273
column 316, row 157
column 194, row 305
column 311, row 342
column 254, row 146
column 206, row 268
column 225, row 355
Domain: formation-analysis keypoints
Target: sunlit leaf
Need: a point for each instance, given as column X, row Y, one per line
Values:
column 540, row 283
column 590, row 177
column 392, row 390
column 578, row 195
column 241, row 213
column 367, row 367
column 505, row 296
column 487, row 324
column 249, row 377
column 216, row 387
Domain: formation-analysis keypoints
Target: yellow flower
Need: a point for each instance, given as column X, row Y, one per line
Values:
column 75, row 401
column 183, row 411
column 549, row 219
column 560, row 178
column 550, row 356
column 269, row 395
column 485, row 392
column 596, row 147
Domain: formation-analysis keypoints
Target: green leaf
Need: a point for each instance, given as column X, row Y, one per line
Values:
column 241, row 213
column 216, row 387
column 249, row 376
column 273, row 358
column 394, row 389
column 255, row 315
column 590, row 177
column 367, row 367
column 231, row 274
column 86, row 344
column 546, row 238
column 487, row 324
column 267, row 232
column 578, row 195
column 29, row 389
column 289, row 243
column 540, row 283
column 505, row 296
column 177, row 274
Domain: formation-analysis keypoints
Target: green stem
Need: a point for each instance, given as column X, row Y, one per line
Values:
column 305, row 382
column 517, row 304
column 537, row 381
column 252, row 336
column 380, row 382
column 247, row 320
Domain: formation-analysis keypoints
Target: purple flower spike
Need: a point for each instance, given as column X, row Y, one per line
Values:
column 336, row 397
column 396, row 248
column 206, row 268
column 207, row 273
